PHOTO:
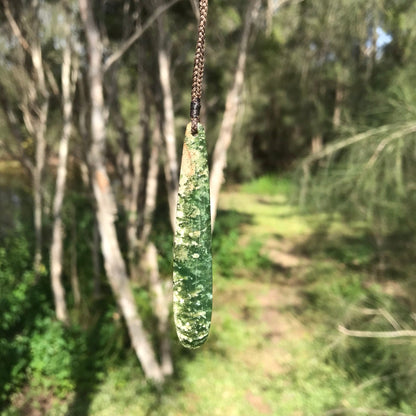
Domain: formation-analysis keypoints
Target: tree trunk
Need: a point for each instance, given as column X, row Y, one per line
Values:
column 39, row 125
column 74, row 268
column 57, row 228
column 106, row 207
column 219, row 161
column 316, row 143
column 161, row 295
column 151, row 187
column 339, row 97
column 96, row 264
column 171, row 161
column 161, row 306
column 126, row 164
column 37, row 181
column 68, row 81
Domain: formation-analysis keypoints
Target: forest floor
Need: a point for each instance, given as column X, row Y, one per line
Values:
column 283, row 282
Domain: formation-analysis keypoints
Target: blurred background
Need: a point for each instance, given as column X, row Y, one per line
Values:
column 310, row 113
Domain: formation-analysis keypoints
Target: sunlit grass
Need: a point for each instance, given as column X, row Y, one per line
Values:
column 270, row 214
column 274, row 347
column 258, row 360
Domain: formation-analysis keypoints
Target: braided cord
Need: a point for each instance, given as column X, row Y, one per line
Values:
column 198, row 72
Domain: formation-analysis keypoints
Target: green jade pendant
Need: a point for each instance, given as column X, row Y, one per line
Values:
column 192, row 257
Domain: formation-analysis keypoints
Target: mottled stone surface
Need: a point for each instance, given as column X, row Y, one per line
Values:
column 192, row 258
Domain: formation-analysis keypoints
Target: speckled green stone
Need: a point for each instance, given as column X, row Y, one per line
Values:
column 192, row 258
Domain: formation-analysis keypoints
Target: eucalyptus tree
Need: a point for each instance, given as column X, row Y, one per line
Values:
column 106, row 204
column 168, row 122
column 69, row 75
column 223, row 142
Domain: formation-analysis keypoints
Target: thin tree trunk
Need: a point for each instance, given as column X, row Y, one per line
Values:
column 96, row 264
column 372, row 50
column 316, row 143
column 171, row 161
column 151, row 187
column 161, row 295
column 39, row 126
column 106, row 207
column 74, row 268
column 38, row 179
column 37, row 199
column 339, row 97
column 161, row 308
column 126, row 169
column 86, row 175
column 133, row 208
column 230, row 114
column 57, row 229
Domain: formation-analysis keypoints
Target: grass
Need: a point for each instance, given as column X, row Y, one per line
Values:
column 274, row 348
column 270, row 348
column 269, row 185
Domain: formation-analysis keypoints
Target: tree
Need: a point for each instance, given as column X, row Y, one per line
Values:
column 231, row 108
column 106, row 205
column 69, row 75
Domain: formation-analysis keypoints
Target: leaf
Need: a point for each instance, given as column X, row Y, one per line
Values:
column 192, row 258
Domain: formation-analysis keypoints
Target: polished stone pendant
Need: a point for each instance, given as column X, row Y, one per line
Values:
column 192, row 258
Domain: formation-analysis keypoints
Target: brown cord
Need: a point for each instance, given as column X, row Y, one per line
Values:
column 199, row 62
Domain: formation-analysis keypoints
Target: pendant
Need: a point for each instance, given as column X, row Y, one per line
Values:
column 192, row 257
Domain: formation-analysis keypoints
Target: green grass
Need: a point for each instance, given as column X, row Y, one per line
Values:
column 269, row 185
column 242, row 370
column 274, row 347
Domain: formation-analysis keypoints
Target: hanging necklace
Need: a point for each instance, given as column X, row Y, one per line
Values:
column 192, row 258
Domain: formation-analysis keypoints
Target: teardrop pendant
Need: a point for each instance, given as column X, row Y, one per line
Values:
column 192, row 257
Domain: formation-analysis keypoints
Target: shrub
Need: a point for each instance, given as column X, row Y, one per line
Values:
column 52, row 349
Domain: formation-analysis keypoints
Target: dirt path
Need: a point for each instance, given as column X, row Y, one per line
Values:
column 276, row 296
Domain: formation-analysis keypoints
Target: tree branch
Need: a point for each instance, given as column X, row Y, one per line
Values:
column 389, row 317
column 363, row 410
column 376, row 334
column 15, row 27
column 136, row 35
column 400, row 131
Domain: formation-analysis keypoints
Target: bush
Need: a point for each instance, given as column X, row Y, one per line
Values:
column 20, row 302
column 52, row 349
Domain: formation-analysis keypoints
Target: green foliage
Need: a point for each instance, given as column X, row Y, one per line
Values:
column 21, row 302
column 52, row 352
column 35, row 349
